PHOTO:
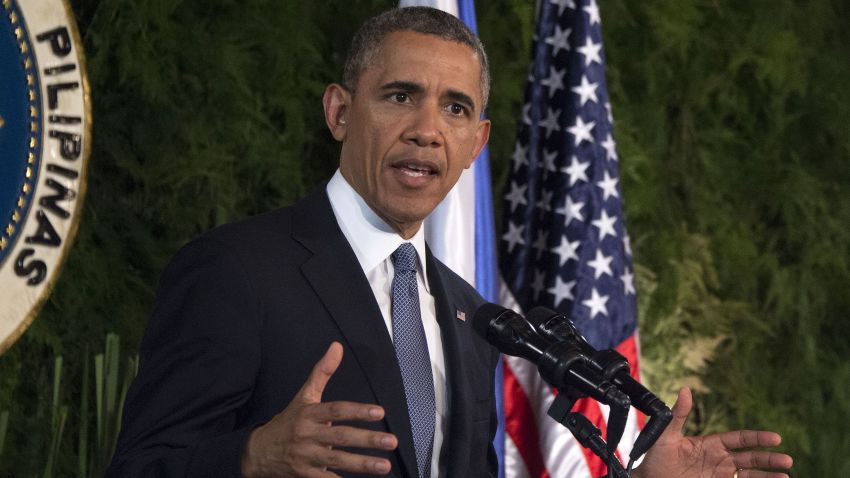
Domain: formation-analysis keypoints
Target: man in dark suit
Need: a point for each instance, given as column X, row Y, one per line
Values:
column 295, row 343
column 227, row 382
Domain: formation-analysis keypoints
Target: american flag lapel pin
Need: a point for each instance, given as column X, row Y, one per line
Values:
column 461, row 315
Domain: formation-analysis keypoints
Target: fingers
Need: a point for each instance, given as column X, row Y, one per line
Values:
column 749, row 439
column 344, row 411
column 313, row 453
column 319, row 430
column 316, row 448
column 319, row 473
column 342, row 460
column 681, row 410
column 760, row 474
column 303, row 442
column 311, row 391
column 318, row 461
column 763, row 460
column 302, row 439
column 350, row 437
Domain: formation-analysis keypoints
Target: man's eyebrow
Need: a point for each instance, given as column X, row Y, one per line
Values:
column 462, row 98
column 406, row 86
column 412, row 87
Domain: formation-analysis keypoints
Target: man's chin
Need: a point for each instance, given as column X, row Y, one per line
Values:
column 405, row 218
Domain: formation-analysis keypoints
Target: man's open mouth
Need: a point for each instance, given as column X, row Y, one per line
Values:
column 415, row 169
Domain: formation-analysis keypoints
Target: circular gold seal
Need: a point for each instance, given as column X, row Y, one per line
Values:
column 45, row 137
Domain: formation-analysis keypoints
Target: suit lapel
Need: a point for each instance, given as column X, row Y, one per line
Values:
column 459, row 395
column 335, row 275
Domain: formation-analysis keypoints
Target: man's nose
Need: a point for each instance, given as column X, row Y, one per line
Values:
column 425, row 128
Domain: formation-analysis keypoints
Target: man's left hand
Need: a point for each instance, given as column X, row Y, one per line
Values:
column 713, row 456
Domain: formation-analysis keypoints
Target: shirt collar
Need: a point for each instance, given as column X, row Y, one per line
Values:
column 372, row 239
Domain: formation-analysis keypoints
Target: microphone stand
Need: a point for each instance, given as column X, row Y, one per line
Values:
column 587, row 435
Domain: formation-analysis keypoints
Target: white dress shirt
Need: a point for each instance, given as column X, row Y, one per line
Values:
column 373, row 242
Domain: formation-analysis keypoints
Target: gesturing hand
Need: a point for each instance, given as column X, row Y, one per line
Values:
column 300, row 440
column 711, row 456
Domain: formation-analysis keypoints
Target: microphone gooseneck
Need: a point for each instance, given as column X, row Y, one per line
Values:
column 611, row 366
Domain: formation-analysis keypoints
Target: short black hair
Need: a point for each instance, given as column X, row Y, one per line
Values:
column 425, row 20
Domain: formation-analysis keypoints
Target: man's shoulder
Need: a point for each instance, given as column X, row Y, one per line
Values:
column 271, row 224
column 272, row 227
column 450, row 276
column 455, row 284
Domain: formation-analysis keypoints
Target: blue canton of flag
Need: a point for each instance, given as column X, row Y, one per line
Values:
column 565, row 245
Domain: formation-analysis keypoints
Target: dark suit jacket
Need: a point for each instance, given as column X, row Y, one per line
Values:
column 242, row 315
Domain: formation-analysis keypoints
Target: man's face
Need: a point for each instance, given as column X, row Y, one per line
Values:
column 411, row 127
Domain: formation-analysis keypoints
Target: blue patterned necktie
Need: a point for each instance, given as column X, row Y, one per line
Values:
column 411, row 350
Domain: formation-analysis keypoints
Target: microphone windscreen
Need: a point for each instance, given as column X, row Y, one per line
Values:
column 484, row 316
column 556, row 327
column 539, row 315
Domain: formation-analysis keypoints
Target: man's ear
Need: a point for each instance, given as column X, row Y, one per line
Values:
column 482, row 135
column 336, row 101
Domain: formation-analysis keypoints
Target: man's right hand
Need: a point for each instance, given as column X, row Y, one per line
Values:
column 301, row 440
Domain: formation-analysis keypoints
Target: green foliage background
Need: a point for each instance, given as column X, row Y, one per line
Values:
column 733, row 125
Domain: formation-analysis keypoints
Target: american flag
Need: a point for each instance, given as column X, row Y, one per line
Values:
column 565, row 244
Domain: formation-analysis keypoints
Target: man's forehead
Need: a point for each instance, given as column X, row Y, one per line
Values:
column 400, row 43
column 422, row 55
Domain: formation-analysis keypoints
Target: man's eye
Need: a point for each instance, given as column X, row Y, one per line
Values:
column 457, row 109
column 400, row 97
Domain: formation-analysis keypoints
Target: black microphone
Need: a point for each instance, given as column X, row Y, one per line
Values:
column 611, row 366
column 559, row 364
